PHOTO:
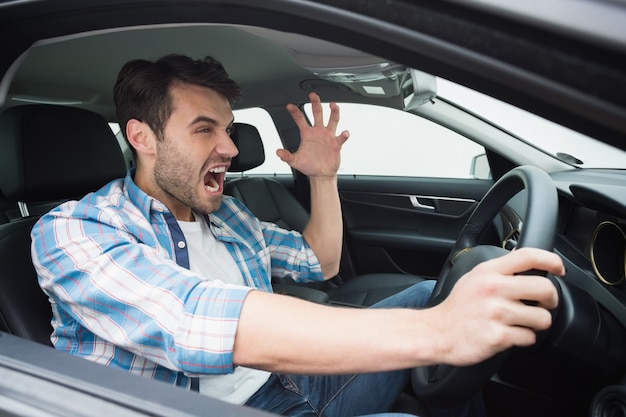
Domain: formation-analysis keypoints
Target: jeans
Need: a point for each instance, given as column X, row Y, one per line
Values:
column 345, row 395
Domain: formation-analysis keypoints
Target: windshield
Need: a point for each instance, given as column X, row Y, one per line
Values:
column 563, row 143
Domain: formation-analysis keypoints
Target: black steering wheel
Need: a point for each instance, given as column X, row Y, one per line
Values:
column 445, row 385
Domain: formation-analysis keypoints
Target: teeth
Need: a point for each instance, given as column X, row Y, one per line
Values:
column 212, row 186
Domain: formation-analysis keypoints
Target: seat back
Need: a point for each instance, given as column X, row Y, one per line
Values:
column 49, row 153
column 24, row 308
column 268, row 199
column 6, row 207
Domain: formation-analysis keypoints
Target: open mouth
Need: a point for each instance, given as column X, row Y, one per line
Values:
column 214, row 179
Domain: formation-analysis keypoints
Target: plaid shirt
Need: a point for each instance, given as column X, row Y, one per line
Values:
column 116, row 269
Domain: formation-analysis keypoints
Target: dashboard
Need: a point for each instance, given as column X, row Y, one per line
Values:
column 602, row 240
column 591, row 234
column 584, row 353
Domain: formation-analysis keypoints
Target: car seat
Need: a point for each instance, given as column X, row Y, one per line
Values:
column 271, row 201
column 49, row 153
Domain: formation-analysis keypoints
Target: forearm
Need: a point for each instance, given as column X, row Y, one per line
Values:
column 487, row 312
column 285, row 334
column 324, row 231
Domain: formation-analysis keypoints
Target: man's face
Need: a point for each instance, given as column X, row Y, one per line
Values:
column 195, row 152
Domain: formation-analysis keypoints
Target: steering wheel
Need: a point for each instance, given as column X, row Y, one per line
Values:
column 445, row 385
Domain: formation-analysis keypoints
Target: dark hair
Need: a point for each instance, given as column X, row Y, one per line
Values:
column 142, row 89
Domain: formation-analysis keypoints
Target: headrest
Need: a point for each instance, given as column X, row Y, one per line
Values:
column 55, row 152
column 251, row 154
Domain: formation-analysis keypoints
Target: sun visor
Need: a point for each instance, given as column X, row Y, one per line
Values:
column 371, row 80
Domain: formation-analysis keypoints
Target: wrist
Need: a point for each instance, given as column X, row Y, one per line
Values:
column 323, row 178
column 432, row 347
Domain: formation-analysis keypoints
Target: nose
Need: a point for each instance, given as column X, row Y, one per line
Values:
column 226, row 147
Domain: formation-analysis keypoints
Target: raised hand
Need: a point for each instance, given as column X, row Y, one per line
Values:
column 319, row 153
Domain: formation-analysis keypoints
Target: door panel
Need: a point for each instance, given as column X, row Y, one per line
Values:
column 401, row 224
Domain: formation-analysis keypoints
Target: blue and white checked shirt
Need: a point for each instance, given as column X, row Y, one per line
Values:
column 115, row 267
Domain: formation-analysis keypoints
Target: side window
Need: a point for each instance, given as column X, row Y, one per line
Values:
column 261, row 119
column 128, row 154
column 385, row 141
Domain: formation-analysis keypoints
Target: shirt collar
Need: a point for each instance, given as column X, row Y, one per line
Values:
column 148, row 204
column 140, row 199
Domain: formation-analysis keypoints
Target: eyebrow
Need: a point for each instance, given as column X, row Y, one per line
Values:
column 205, row 119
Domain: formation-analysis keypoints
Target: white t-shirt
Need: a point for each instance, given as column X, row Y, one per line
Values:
column 209, row 258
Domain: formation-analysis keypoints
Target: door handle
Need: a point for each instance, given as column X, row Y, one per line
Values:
column 417, row 204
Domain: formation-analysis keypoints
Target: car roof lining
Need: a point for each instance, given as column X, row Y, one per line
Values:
column 49, row 61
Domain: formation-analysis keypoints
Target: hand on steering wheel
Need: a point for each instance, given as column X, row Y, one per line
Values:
column 504, row 319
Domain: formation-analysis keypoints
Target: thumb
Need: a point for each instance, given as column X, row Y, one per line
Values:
column 284, row 155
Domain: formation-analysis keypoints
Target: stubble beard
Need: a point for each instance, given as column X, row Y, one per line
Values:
column 174, row 176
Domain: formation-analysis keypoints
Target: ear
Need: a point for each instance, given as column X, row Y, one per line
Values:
column 141, row 137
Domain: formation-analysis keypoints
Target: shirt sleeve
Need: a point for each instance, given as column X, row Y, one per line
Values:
column 291, row 255
column 288, row 254
column 113, row 280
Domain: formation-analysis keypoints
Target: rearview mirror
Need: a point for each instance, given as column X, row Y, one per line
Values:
column 417, row 88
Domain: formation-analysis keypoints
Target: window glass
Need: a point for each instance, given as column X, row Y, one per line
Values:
column 261, row 119
column 385, row 141
column 563, row 143
column 128, row 153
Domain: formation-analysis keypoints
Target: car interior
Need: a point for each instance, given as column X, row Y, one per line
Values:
column 271, row 201
column 58, row 143
column 38, row 168
column 24, row 310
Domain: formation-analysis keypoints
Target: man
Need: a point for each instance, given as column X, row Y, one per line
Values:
column 162, row 275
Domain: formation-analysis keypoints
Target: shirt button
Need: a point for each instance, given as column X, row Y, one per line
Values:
column 181, row 244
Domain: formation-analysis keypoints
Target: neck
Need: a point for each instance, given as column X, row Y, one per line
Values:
column 180, row 211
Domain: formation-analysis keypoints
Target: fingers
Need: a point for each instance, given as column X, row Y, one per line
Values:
column 526, row 259
column 333, row 120
column 316, row 108
column 516, row 326
column 284, row 155
column 477, row 329
column 519, row 336
column 297, row 116
column 343, row 137
column 531, row 317
column 533, row 288
column 515, row 313
column 536, row 289
column 318, row 153
column 318, row 116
